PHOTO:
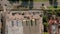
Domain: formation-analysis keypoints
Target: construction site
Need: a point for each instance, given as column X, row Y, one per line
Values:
column 15, row 19
column 26, row 16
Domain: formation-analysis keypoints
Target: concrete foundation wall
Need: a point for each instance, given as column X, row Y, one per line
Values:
column 30, row 23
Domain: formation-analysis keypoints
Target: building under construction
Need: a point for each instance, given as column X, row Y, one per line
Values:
column 15, row 19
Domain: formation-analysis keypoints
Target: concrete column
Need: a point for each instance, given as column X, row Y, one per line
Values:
column 0, row 23
column 33, row 29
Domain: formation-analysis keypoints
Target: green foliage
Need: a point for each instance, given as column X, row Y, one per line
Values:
column 44, row 19
column 40, row 0
column 45, row 32
column 58, row 13
column 45, row 24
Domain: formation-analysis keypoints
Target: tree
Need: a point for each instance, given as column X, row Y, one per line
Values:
column 31, row 4
column 53, row 3
column 13, row 0
column 25, row 3
column 50, row 1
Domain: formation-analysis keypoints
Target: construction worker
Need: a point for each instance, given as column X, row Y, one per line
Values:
column 44, row 7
